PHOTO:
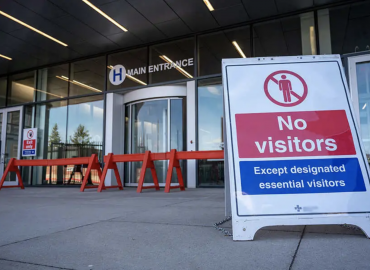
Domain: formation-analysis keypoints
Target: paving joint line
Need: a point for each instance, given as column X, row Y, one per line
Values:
column 296, row 251
column 61, row 231
column 36, row 264
column 181, row 202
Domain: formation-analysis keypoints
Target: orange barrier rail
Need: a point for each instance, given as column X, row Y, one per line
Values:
column 174, row 158
column 111, row 160
column 92, row 162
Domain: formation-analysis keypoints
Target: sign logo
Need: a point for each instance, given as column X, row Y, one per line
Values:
column 117, row 75
column 285, row 88
column 30, row 134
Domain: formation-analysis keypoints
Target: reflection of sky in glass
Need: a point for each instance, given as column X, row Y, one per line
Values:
column 176, row 125
column 58, row 116
column 89, row 114
column 363, row 87
column 210, row 113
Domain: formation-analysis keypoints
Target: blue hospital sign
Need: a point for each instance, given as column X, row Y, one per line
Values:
column 293, row 144
column 117, row 75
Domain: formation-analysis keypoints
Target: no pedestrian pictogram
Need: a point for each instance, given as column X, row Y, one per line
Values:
column 285, row 88
column 30, row 134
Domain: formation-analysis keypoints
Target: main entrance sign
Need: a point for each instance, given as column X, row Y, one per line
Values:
column 295, row 153
column 118, row 73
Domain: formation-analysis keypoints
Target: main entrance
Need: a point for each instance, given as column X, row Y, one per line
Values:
column 10, row 127
column 155, row 125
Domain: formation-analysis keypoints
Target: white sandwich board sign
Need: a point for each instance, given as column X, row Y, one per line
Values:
column 293, row 146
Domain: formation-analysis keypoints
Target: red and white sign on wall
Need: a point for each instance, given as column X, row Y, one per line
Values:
column 293, row 145
column 29, row 142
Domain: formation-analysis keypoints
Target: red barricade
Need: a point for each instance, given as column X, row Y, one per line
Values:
column 111, row 160
column 174, row 157
column 92, row 162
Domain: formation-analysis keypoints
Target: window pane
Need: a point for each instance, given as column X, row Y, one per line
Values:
column 135, row 63
column 52, row 83
column 3, row 84
column 87, row 77
column 210, row 130
column 51, row 122
column 85, row 126
column 22, row 88
column 284, row 37
column 363, row 86
column 214, row 47
column 171, row 61
column 344, row 29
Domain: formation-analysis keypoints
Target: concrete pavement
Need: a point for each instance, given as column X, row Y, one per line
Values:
column 61, row 228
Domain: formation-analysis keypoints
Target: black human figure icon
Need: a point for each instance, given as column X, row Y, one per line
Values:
column 285, row 86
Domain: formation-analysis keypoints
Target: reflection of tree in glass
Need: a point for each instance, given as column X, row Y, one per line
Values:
column 55, row 136
column 81, row 135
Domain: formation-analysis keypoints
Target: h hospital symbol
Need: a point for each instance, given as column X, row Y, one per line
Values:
column 115, row 74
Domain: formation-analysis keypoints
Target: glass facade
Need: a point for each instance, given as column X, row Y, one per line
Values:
column 363, row 87
column 52, row 83
column 171, row 61
column 22, row 88
column 67, row 129
column 216, row 46
column 3, row 88
column 66, row 102
column 284, row 37
column 135, row 63
column 344, row 29
column 210, row 130
column 87, row 77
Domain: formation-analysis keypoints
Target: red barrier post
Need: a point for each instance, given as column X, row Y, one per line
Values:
column 12, row 168
column 110, row 164
column 93, row 165
column 147, row 164
column 174, row 163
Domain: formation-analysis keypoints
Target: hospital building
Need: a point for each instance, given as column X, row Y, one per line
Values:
column 128, row 76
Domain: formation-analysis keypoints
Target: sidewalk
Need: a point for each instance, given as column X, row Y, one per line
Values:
column 62, row 228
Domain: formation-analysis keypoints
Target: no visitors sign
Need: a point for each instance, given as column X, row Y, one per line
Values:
column 294, row 148
column 29, row 142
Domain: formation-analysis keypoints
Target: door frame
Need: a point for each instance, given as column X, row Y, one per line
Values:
column 5, row 112
column 352, row 61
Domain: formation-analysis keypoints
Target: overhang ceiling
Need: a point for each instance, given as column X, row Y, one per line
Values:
column 87, row 32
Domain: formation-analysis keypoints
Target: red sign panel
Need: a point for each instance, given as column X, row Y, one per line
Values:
column 292, row 134
column 29, row 144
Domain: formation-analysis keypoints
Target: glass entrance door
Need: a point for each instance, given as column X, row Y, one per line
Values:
column 359, row 82
column 10, row 128
column 156, row 126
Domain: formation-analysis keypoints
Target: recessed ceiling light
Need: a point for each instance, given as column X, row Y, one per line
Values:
column 180, row 69
column 32, row 28
column 105, row 15
column 6, row 57
column 208, row 4
column 238, row 49
column 364, row 106
column 131, row 77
